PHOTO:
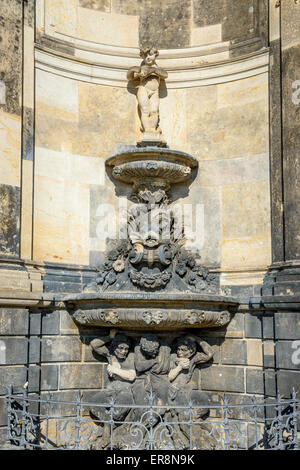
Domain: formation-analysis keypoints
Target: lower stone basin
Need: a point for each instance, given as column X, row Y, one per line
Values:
column 150, row 311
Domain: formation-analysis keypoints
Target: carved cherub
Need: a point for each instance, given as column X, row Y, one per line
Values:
column 152, row 363
column 121, row 372
column 183, row 364
column 148, row 75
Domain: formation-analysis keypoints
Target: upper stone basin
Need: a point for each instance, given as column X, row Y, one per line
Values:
column 151, row 165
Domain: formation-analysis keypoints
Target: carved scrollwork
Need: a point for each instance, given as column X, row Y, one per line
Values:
column 86, row 317
column 207, row 317
column 152, row 318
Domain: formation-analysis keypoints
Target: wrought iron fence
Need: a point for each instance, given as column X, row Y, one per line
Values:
column 36, row 422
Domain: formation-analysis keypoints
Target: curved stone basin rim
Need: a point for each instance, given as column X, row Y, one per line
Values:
column 156, row 153
column 150, row 311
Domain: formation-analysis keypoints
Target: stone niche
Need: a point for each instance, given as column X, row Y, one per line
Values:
column 151, row 293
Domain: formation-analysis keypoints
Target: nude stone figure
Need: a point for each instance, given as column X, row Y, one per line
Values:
column 121, row 372
column 183, row 364
column 148, row 77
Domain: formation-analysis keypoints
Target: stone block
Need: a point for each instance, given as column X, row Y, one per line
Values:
column 10, row 149
column 49, row 377
column 244, row 412
column 34, row 349
column 288, row 355
column 3, row 412
column 62, row 409
column 13, row 321
column 75, row 376
column 61, row 230
column 255, row 434
column 61, row 349
column 9, row 220
column 50, row 323
column 234, row 351
column 215, row 344
column 108, row 28
column 241, row 292
column 57, row 96
column 235, row 329
column 15, row 350
column 253, row 325
column 287, row 325
column 287, row 380
column 12, row 375
column 268, row 326
column 156, row 28
column 60, row 287
column 255, row 381
column 269, row 353
column 254, row 352
column 229, row 379
column 34, row 375
column 270, row 383
column 101, row 5
column 246, row 252
column 35, row 323
column 67, row 324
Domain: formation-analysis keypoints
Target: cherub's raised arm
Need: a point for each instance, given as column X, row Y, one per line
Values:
column 98, row 343
column 132, row 71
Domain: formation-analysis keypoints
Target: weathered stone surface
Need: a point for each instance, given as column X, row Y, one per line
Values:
column 15, row 376
column 107, row 28
column 34, row 374
column 49, row 377
column 253, row 199
column 13, row 321
column 67, row 324
column 244, row 413
column 269, row 354
column 253, row 325
column 235, row 328
column 11, row 51
column 288, row 355
column 159, row 23
column 255, row 381
column 50, row 323
column 291, row 139
column 268, row 326
column 9, row 220
column 61, row 349
column 101, row 5
column 234, row 351
column 10, row 149
column 216, row 131
column 81, row 376
column 230, row 379
column 15, row 350
column 28, row 134
column 3, row 412
column 287, row 380
column 287, row 325
column 254, row 352
column 275, row 153
column 35, row 323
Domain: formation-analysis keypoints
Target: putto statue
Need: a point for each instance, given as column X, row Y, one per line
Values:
column 148, row 77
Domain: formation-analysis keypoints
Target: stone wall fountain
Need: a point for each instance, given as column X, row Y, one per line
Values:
column 149, row 280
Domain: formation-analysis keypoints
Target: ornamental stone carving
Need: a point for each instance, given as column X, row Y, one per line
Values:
column 145, row 366
column 147, row 78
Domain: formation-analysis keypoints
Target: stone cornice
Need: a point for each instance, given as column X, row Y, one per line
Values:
column 183, row 71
